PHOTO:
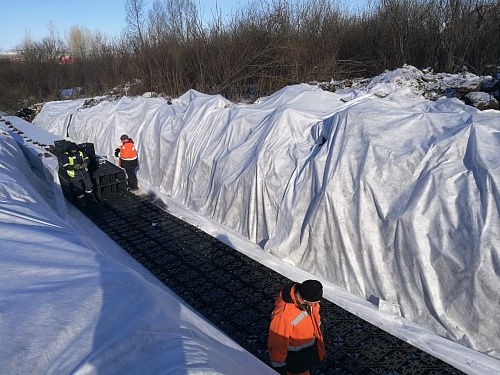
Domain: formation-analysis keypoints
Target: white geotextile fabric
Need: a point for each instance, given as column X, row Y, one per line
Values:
column 73, row 302
column 375, row 189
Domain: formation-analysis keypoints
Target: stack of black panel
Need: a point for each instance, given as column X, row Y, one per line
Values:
column 109, row 179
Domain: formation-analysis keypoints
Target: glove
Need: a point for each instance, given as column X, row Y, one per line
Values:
column 280, row 370
column 77, row 166
column 117, row 152
column 85, row 165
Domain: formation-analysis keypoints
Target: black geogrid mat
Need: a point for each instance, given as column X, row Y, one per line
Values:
column 237, row 293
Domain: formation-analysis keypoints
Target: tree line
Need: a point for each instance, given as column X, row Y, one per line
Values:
column 169, row 47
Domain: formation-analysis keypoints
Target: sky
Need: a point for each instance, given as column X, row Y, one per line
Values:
column 310, row 183
column 29, row 16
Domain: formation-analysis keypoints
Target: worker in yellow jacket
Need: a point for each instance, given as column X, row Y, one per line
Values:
column 295, row 339
column 76, row 162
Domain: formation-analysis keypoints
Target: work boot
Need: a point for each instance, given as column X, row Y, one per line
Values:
column 132, row 186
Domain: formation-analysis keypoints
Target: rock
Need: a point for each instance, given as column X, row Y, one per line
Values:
column 481, row 100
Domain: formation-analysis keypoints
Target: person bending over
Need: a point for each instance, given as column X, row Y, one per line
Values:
column 127, row 155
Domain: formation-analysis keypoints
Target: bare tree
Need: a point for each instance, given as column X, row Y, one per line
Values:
column 135, row 13
column 42, row 60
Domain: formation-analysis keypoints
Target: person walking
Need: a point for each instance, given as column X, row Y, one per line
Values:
column 76, row 162
column 295, row 340
column 127, row 155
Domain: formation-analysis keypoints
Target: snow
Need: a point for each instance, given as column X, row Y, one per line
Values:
column 374, row 190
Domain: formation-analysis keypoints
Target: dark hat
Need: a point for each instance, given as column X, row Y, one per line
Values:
column 311, row 290
column 124, row 137
column 72, row 146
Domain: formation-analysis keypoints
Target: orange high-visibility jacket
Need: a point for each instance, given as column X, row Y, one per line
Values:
column 295, row 337
column 128, row 151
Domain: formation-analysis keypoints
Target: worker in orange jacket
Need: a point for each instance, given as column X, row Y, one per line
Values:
column 295, row 339
column 127, row 155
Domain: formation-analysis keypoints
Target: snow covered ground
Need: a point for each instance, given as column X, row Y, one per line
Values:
column 374, row 190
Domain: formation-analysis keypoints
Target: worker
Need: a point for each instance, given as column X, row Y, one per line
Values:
column 76, row 162
column 127, row 155
column 295, row 340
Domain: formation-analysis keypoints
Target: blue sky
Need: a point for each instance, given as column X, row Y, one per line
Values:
column 34, row 16
column 107, row 16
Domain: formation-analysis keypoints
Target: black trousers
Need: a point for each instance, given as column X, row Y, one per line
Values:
column 130, row 167
column 82, row 182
